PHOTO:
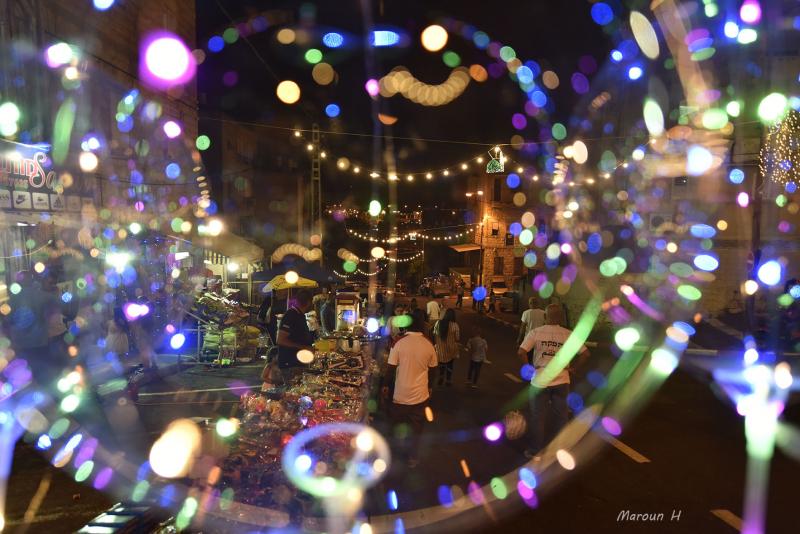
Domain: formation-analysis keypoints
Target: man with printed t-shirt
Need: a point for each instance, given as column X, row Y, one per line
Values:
column 531, row 319
column 409, row 373
column 549, row 398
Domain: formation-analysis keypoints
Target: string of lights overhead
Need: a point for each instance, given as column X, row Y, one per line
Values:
column 494, row 159
column 496, row 162
column 379, row 270
column 406, row 259
column 413, row 235
column 377, row 253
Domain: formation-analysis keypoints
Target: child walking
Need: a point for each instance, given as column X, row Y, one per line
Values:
column 477, row 348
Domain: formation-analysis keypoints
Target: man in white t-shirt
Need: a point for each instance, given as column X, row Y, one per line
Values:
column 531, row 318
column 434, row 310
column 409, row 373
column 550, row 383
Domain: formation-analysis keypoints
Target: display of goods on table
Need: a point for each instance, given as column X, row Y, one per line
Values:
column 239, row 341
column 213, row 308
column 334, row 388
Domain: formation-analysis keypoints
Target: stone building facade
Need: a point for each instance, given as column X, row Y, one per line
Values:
column 491, row 201
column 109, row 43
column 261, row 181
column 104, row 56
column 106, row 46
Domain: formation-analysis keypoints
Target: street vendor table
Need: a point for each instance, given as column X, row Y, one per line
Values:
column 335, row 387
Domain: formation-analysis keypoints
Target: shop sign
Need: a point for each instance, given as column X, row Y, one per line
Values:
column 28, row 182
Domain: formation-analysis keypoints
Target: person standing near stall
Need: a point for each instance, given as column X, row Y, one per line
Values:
column 318, row 301
column 294, row 335
column 328, row 313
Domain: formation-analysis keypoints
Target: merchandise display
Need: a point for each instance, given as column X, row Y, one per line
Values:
column 333, row 389
column 226, row 337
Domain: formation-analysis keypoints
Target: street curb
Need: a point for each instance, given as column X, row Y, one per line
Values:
column 501, row 321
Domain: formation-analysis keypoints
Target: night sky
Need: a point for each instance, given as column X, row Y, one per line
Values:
column 555, row 34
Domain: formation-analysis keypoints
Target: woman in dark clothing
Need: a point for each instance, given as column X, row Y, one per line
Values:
column 416, row 313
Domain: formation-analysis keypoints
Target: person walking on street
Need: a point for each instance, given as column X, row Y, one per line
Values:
column 409, row 378
column 531, row 319
column 492, row 301
column 446, row 336
column 474, row 300
column 416, row 313
column 397, row 323
column 460, row 295
column 550, row 385
column 433, row 313
column 434, row 310
column 477, row 348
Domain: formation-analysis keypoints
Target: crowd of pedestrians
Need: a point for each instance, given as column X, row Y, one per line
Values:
column 425, row 344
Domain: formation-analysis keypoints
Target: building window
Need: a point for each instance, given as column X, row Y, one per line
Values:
column 495, row 229
column 498, row 189
column 499, row 265
column 680, row 187
column 509, row 240
column 519, row 266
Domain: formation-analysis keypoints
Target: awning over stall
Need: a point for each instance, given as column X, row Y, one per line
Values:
column 466, row 247
column 232, row 246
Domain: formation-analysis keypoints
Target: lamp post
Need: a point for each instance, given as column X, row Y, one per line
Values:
column 479, row 194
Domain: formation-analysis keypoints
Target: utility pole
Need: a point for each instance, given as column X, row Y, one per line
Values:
column 301, row 215
column 480, row 272
column 316, row 186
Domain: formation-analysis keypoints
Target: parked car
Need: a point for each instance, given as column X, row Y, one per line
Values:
column 499, row 287
column 509, row 301
column 436, row 286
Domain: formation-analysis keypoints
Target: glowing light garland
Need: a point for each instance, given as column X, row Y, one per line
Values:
column 779, row 159
column 400, row 80
column 347, row 255
column 410, row 236
column 406, row 259
column 380, row 269
column 495, row 162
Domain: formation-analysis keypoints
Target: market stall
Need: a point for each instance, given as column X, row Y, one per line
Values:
column 233, row 260
column 223, row 333
column 334, row 388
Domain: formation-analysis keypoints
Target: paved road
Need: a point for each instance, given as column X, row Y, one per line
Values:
column 684, row 453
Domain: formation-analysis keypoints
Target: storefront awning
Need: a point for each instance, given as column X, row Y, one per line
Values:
column 466, row 247
column 232, row 246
